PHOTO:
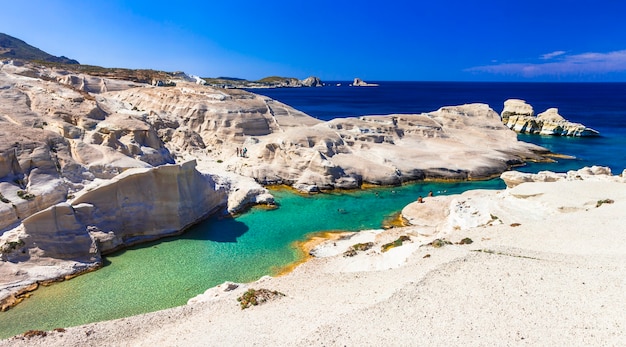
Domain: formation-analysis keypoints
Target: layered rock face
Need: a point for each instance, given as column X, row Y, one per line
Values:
column 520, row 117
column 594, row 173
column 312, row 81
column 134, row 207
column 100, row 135
column 461, row 142
column 56, row 137
column 529, row 198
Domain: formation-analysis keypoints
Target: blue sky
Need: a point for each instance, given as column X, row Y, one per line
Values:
column 416, row 40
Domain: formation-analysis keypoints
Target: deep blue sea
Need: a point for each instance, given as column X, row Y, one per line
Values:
column 601, row 106
column 168, row 272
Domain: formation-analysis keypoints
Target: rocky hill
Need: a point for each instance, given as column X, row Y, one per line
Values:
column 13, row 48
column 267, row 82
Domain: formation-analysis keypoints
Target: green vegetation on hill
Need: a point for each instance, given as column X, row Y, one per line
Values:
column 271, row 81
column 275, row 79
column 13, row 48
column 135, row 75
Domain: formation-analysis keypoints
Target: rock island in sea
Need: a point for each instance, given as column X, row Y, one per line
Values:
column 520, row 116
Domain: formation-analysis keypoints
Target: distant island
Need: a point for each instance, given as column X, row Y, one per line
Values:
column 267, row 82
column 360, row 83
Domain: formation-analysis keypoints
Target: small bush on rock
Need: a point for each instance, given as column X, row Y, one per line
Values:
column 11, row 246
column 465, row 241
column 358, row 247
column 253, row 297
column 605, row 201
column 438, row 243
column 396, row 243
column 33, row 333
column 25, row 195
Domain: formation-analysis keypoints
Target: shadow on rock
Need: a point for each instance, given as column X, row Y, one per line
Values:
column 218, row 229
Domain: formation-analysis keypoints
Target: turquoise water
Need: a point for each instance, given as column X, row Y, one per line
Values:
column 167, row 273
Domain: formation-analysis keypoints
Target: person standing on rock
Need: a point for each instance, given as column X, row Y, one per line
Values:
column 237, row 151
column 244, row 152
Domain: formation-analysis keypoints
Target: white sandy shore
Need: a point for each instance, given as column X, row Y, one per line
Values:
column 558, row 278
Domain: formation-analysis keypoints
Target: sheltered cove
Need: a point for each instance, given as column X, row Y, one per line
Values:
column 58, row 163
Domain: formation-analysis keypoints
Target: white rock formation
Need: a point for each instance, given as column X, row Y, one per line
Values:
column 360, row 83
column 441, row 216
column 520, row 116
column 458, row 142
column 66, row 138
column 594, row 173
column 312, row 81
column 133, row 207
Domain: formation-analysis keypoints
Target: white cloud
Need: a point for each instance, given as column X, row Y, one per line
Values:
column 548, row 56
column 577, row 64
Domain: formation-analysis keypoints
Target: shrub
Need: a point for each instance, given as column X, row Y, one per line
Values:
column 11, row 246
column 466, row 241
column 254, row 297
column 438, row 243
column 33, row 333
column 25, row 195
column 396, row 243
column 605, row 201
column 358, row 247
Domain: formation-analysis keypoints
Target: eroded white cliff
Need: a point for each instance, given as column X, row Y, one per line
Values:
column 520, row 117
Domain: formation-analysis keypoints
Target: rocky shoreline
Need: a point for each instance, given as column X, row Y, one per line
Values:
column 533, row 248
column 87, row 162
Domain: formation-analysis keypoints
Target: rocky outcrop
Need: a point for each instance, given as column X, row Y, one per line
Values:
column 520, row 117
column 75, row 137
column 460, row 142
column 360, row 83
column 86, row 171
column 92, row 84
column 134, row 207
column 312, row 81
column 529, row 198
column 594, row 173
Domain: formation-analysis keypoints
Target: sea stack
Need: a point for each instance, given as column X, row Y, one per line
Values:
column 360, row 83
column 520, row 117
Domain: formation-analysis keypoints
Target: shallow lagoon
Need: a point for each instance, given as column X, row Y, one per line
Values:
column 168, row 272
